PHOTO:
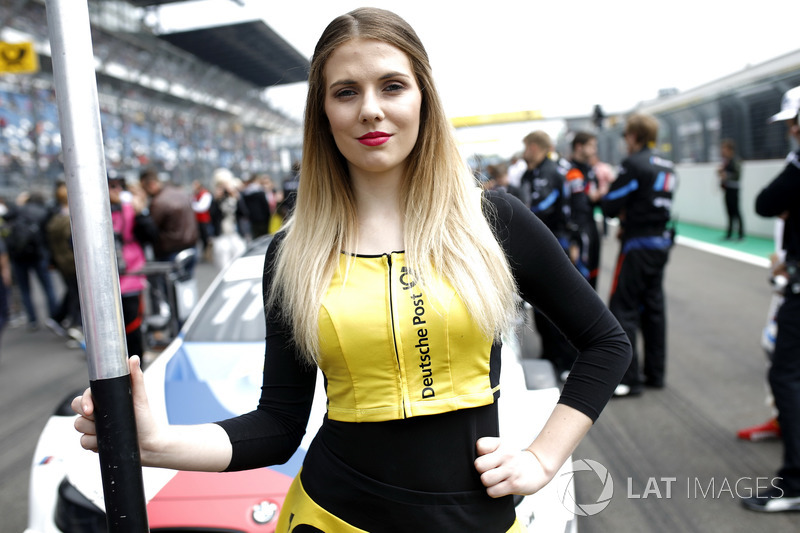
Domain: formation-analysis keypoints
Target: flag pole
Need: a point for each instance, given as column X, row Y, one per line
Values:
column 95, row 261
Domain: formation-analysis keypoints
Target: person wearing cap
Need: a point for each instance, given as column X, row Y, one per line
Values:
column 781, row 198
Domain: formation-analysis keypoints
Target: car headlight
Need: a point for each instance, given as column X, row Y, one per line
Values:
column 75, row 513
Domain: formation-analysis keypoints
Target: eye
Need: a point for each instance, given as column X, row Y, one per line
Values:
column 344, row 93
column 394, row 86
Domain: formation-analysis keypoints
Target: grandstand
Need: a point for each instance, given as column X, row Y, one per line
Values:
column 186, row 103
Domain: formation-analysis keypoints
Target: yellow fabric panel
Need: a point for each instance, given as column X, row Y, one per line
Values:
column 275, row 223
column 390, row 350
column 299, row 509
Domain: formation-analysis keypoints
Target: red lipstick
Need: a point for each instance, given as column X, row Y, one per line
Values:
column 374, row 138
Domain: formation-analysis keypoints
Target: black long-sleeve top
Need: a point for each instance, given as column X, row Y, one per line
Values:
column 545, row 278
column 782, row 195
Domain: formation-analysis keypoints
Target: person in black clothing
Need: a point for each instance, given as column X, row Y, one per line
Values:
column 730, row 173
column 28, row 251
column 781, row 198
column 389, row 213
column 582, row 183
column 641, row 197
column 254, row 198
column 545, row 189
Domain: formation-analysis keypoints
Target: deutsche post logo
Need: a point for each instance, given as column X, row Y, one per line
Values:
column 17, row 58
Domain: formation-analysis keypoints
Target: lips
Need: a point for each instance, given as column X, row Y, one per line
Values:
column 374, row 138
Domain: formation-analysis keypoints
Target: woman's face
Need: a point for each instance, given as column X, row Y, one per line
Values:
column 372, row 101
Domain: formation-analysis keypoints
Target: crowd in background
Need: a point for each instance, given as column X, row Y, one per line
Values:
column 153, row 220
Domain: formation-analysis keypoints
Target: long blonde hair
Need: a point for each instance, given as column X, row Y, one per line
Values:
column 445, row 230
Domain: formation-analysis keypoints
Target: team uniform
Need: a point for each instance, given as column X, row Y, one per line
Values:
column 581, row 181
column 411, row 385
column 780, row 196
column 641, row 197
column 549, row 199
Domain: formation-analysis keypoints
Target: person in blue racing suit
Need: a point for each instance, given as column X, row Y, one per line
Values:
column 641, row 197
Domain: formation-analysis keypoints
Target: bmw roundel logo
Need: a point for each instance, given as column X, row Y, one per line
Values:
column 264, row 512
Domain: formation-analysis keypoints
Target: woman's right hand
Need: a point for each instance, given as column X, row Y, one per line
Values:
column 146, row 427
column 198, row 447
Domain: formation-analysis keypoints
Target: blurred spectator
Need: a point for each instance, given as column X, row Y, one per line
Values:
column 498, row 177
column 255, row 202
column 226, row 209
column 201, row 204
column 132, row 227
column 605, row 177
column 28, row 252
column 778, row 280
column 59, row 239
column 583, row 187
column 5, row 283
column 171, row 211
column 274, row 197
column 516, row 168
column 730, row 173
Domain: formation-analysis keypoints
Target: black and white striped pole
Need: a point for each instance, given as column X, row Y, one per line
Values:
column 95, row 260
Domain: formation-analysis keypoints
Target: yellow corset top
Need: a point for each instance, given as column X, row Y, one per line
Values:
column 389, row 351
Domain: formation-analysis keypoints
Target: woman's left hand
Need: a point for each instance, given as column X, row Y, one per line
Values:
column 508, row 471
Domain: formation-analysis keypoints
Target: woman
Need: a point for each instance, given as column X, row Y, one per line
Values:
column 389, row 278
column 132, row 228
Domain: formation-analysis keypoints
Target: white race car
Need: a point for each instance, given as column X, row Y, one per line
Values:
column 213, row 371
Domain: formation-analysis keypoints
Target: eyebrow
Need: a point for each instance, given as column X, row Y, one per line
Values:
column 386, row 76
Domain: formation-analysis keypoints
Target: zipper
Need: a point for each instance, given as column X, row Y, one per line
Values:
column 394, row 334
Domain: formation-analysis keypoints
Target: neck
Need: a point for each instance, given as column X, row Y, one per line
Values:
column 380, row 219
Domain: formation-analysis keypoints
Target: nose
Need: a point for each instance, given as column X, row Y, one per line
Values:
column 371, row 109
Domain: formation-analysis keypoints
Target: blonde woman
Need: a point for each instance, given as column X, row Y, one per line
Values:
column 395, row 276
